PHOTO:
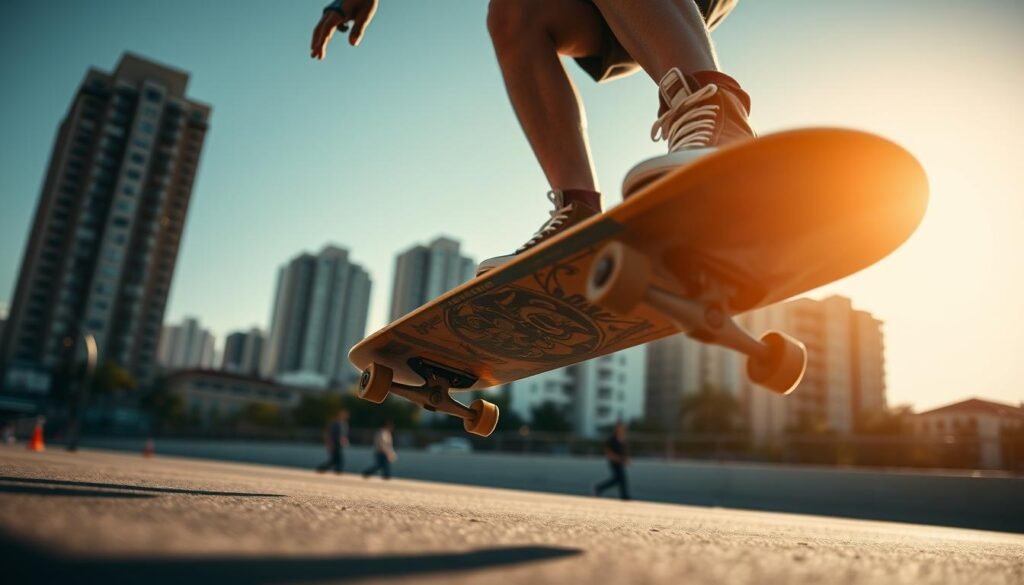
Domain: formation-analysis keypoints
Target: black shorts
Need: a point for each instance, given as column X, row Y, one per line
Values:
column 615, row 62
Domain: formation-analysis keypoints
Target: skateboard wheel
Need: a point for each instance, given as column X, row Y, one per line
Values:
column 619, row 278
column 486, row 418
column 783, row 367
column 375, row 383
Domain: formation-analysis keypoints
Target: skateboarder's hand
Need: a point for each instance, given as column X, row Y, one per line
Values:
column 357, row 12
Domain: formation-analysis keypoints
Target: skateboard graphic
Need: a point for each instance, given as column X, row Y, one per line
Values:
column 744, row 227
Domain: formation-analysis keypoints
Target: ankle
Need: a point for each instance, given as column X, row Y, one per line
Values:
column 585, row 197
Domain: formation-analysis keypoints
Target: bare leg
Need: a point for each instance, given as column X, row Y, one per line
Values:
column 529, row 36
column 661, row 34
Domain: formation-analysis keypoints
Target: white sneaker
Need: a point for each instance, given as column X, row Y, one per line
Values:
column 699, row 113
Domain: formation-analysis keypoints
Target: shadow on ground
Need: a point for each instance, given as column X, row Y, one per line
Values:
column 59, row 487
column 25, row 564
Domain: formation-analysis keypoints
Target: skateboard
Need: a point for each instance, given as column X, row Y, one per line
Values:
column 749, row 225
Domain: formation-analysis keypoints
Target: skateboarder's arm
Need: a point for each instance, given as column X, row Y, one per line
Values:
column 337, row 16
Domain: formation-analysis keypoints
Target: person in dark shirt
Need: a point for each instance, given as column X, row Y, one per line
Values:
column 618, row 458
column 335, row 439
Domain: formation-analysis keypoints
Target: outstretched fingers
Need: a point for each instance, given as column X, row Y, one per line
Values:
column 322, row 34
column 361, row 19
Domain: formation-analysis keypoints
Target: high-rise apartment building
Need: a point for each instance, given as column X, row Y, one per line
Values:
column 319, row 313
column 423, row 273
column 104, row 241
column 243, row 351
column 844, row 381
column 186, row 346
column 678, row 367
column 594, row 394
column 845, row 377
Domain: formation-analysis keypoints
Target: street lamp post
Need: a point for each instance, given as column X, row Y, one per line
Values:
column 83, row 390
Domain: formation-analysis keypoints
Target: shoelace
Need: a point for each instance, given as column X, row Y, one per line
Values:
column 694, row 128
column 558, row 217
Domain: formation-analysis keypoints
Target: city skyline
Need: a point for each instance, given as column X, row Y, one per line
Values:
column 319, row 312
column 424, row 272
column 96, row 272
column 257, row 189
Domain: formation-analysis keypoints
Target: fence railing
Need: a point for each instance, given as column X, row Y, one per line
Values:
column 904, row 451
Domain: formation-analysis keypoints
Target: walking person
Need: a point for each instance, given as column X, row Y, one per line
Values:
column 618, row 458
column 335, row 439
column 383, row 452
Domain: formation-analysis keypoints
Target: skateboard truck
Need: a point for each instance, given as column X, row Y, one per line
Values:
column 479, row 418
column 620, row 279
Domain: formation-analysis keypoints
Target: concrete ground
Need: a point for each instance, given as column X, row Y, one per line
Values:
column 96, row 517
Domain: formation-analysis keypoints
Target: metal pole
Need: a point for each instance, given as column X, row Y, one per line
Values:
column 82, row 393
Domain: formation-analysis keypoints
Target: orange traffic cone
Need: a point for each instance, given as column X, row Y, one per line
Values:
column 36, row 442
column 149, row 449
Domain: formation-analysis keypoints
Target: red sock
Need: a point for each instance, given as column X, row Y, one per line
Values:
column 722, row 80
column 702, row 78
column 591, row 199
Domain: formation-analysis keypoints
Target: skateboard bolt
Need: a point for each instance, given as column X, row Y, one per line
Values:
column 603, row 271
column 364, row 380
column 435, row 397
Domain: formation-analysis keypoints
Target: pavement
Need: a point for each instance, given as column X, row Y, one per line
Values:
column 98, row 517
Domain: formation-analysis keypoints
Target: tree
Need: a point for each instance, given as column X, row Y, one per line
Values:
column 550, row 417
column 709, row 411
column 508, row 420
column 261, row 414
column 314, row 411
column 891, row 423
column 166, row 408
column 111, row 377
column 365, row 414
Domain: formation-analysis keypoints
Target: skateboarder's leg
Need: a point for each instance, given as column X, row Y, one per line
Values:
column 612, row 481
column 701, row 108
column 620, row 475
column 529, row 36
column 661, row 34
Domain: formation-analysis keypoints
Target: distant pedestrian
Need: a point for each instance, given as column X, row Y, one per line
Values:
column 335, row 439
column 383, row 452
column 618, row 458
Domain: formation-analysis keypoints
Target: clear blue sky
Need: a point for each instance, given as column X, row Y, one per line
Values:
column 410, row 136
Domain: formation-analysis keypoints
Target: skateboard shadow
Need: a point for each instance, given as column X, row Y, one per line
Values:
column 28, row 565
column 57, row 487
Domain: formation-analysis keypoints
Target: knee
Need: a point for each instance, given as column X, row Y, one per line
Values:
column 511, row 21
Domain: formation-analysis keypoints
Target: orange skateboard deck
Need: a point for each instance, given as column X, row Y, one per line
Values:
column 762, row 221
